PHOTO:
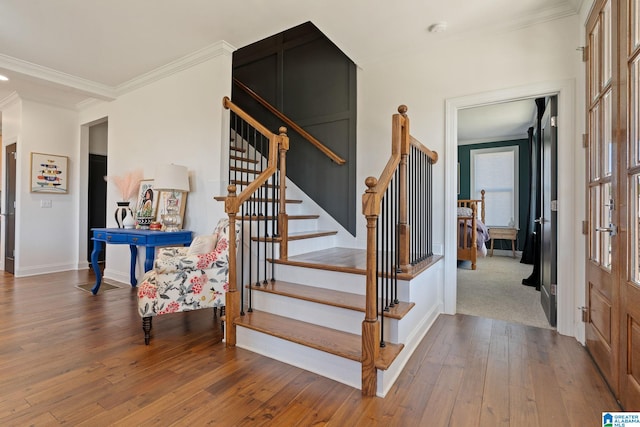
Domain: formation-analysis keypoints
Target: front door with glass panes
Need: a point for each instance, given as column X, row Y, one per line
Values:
column 613, row 265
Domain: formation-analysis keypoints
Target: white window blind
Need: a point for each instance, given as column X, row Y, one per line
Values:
column 495, row 170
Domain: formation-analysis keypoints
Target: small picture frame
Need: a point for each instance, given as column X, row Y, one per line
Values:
column 49, row 173
column 146, row 204
column 181, row 196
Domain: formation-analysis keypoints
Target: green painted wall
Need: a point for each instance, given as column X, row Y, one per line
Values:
column 524, row 169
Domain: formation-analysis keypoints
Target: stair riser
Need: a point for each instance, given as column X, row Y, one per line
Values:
column 258, row 226
column 338, row 281
column 334, row 367
column 297, row 247
column 328, row 316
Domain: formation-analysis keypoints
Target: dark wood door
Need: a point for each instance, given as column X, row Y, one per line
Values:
column 548, row 219
column 10, row 212
column 97, row 208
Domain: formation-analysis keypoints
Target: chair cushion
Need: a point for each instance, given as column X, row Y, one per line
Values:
column 202, row 245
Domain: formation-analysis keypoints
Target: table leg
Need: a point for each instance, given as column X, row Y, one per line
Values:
column 149, row 257
column 492, row 247
column 97, row 248
column 132, row 272
column 513, row 247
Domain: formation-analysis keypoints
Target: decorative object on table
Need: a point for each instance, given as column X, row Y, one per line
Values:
column 157, row 226
column 147, row 204
column 174, row 181
column 127, row 186
column 49, row 173
column 124, row 216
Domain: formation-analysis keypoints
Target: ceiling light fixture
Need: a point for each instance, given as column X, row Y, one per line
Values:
column 3, row 78
column 438, row 27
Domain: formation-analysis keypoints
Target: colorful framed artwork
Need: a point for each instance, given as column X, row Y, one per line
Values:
column 181, row 197
column 49, row 173
column 146, row 204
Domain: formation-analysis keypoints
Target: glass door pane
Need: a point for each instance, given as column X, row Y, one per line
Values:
column 635, row 24
column 594, row 54
column 594, row 246
column 607, row 136
column 606, row 43
column 594, row 144
column 606, row 222
column 635, row 227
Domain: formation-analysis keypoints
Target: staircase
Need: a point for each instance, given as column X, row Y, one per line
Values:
column 304, row 294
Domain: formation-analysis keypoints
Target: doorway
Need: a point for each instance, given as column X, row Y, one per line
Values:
column 10, row 203
column 505, row 149
column 569, row 242
column 97, row 186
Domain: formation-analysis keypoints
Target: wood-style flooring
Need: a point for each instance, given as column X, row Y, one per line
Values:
column 68, row 357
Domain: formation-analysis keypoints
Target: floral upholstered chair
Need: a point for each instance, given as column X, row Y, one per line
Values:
column 185, row 279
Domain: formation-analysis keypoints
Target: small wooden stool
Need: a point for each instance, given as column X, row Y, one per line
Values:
column 504, row 234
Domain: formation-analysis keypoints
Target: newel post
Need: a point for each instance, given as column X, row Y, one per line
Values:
column 404, row 229
column 371, row 324
column 232, row 297
column 283, row 218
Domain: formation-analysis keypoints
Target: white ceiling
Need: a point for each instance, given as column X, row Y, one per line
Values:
column 496, row 122
column 67, row 51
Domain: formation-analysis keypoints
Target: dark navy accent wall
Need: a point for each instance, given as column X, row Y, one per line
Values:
column 524, row 174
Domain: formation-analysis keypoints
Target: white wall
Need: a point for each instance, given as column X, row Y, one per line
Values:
column 456, row 67
column 177, row 119
column 43, row 234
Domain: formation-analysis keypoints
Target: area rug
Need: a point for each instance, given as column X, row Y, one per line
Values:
column 494, row 290
column 104, row 287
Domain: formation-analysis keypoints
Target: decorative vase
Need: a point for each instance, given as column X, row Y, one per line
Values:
column 124, row 215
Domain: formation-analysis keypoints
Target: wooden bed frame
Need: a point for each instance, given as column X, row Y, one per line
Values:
column 467, row 243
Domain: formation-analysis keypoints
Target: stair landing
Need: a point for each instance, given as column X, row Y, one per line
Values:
column 348, row 260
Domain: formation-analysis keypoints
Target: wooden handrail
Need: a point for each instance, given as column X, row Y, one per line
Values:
column 278, row 144
column 306, row 135
column 396, row 168
column 431, row 154
column 275, row 141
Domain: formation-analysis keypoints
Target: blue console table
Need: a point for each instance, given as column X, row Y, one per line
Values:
column 133, row 238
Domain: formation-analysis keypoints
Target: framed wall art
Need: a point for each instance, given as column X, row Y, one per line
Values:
column 146, row 204
column 49, row 173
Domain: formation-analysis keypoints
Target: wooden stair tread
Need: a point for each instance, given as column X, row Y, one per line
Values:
column 301, row 235
column 244, row 182
column 246, row 170
column 238, row 149
column 348, row 260
column 330, row 297
column 332, row 341
column 269, row 200
column 291, row 217
column 252, row 199
column 244, row 159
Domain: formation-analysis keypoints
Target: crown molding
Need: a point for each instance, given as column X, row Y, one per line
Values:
column 8, row 100
column 221, row 48
column 92, row 88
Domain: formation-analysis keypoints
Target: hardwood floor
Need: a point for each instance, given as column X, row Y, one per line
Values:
column 68, row 357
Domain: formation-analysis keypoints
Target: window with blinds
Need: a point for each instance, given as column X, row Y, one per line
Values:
column 495, row 170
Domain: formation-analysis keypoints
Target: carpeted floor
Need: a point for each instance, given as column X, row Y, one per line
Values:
column 494, row 290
